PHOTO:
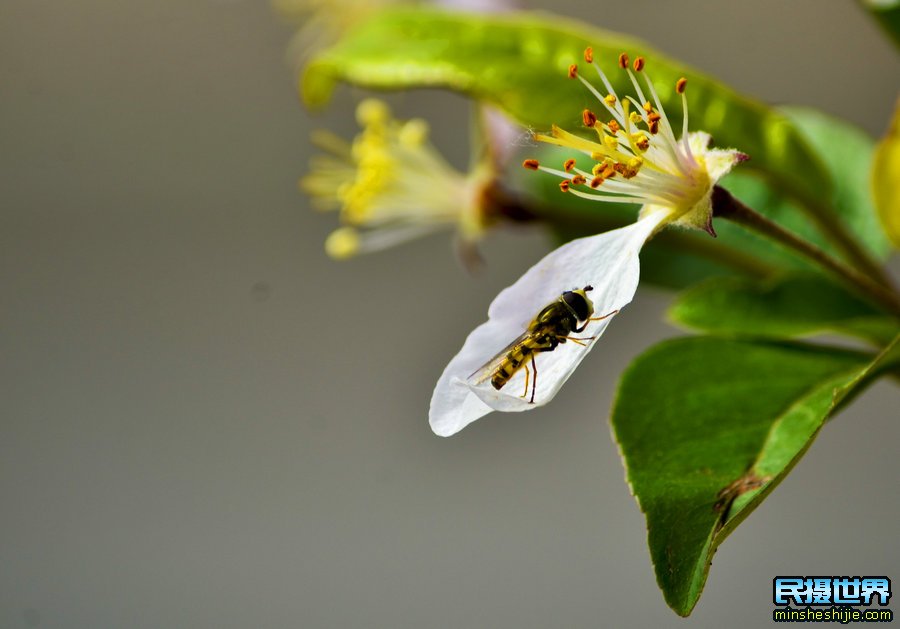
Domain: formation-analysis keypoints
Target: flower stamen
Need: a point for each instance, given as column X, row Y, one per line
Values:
column 639, row 146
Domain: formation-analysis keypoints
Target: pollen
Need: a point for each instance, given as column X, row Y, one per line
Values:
column 531, row 164
column 654, row 127
column 589, row 118
column 579, row 180
column 642, row 142
column 589, row 55
column 611, row 142
column 623, row 60
column 638, row 64
column 681, row 85
column 610, row 100
column 647, row 107
column 564, row 185
column 596, row 182
column 569, row 165
column 613, row 126
column 573, row 71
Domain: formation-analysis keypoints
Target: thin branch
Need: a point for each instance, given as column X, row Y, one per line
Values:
column 728, row 207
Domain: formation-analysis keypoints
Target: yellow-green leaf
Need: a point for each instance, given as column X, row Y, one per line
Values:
column 519, row 62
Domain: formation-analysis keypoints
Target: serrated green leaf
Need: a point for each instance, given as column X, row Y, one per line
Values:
column 518, row 62
column 886, row 179
column 788, row 306
column 708, row 427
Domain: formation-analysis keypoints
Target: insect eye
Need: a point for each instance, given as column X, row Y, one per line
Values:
column 577, row 303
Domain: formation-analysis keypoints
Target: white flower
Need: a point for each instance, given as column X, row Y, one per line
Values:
column 391, row 185
column 608, row 262
column 636, row 157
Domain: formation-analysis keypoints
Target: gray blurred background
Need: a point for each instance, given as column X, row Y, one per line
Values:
column 207, row 423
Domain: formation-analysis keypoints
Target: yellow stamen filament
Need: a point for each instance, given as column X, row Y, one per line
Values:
column 626, row 147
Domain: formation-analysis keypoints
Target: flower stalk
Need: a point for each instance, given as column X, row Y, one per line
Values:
column 726, row 206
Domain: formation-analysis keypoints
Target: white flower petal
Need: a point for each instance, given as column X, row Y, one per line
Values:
column 607, row 261
column 699, row 142
column 719, row 162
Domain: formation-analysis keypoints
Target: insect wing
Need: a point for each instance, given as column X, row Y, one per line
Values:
column 486, row 371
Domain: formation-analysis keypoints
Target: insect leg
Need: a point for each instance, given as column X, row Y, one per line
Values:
column 579, row 341
column 581, row 329
column 527, row 373
column 551, row 343
column 534, row 382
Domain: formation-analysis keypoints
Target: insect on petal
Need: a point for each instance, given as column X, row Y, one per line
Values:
column 607, row 261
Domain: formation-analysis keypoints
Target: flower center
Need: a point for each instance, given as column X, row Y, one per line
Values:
column 636, row 157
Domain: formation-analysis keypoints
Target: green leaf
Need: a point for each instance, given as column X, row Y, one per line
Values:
column 788, row 306
column 847, row 153
column 708, row 427
column 886, row 179
column 887, row 12
column 518, row 62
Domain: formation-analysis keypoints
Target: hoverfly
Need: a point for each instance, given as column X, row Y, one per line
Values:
column 552, row 326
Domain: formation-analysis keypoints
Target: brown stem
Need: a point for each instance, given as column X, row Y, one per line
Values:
column 846, row 243
column 728, row 207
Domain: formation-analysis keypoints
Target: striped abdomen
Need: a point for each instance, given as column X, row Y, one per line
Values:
column 513, row 361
